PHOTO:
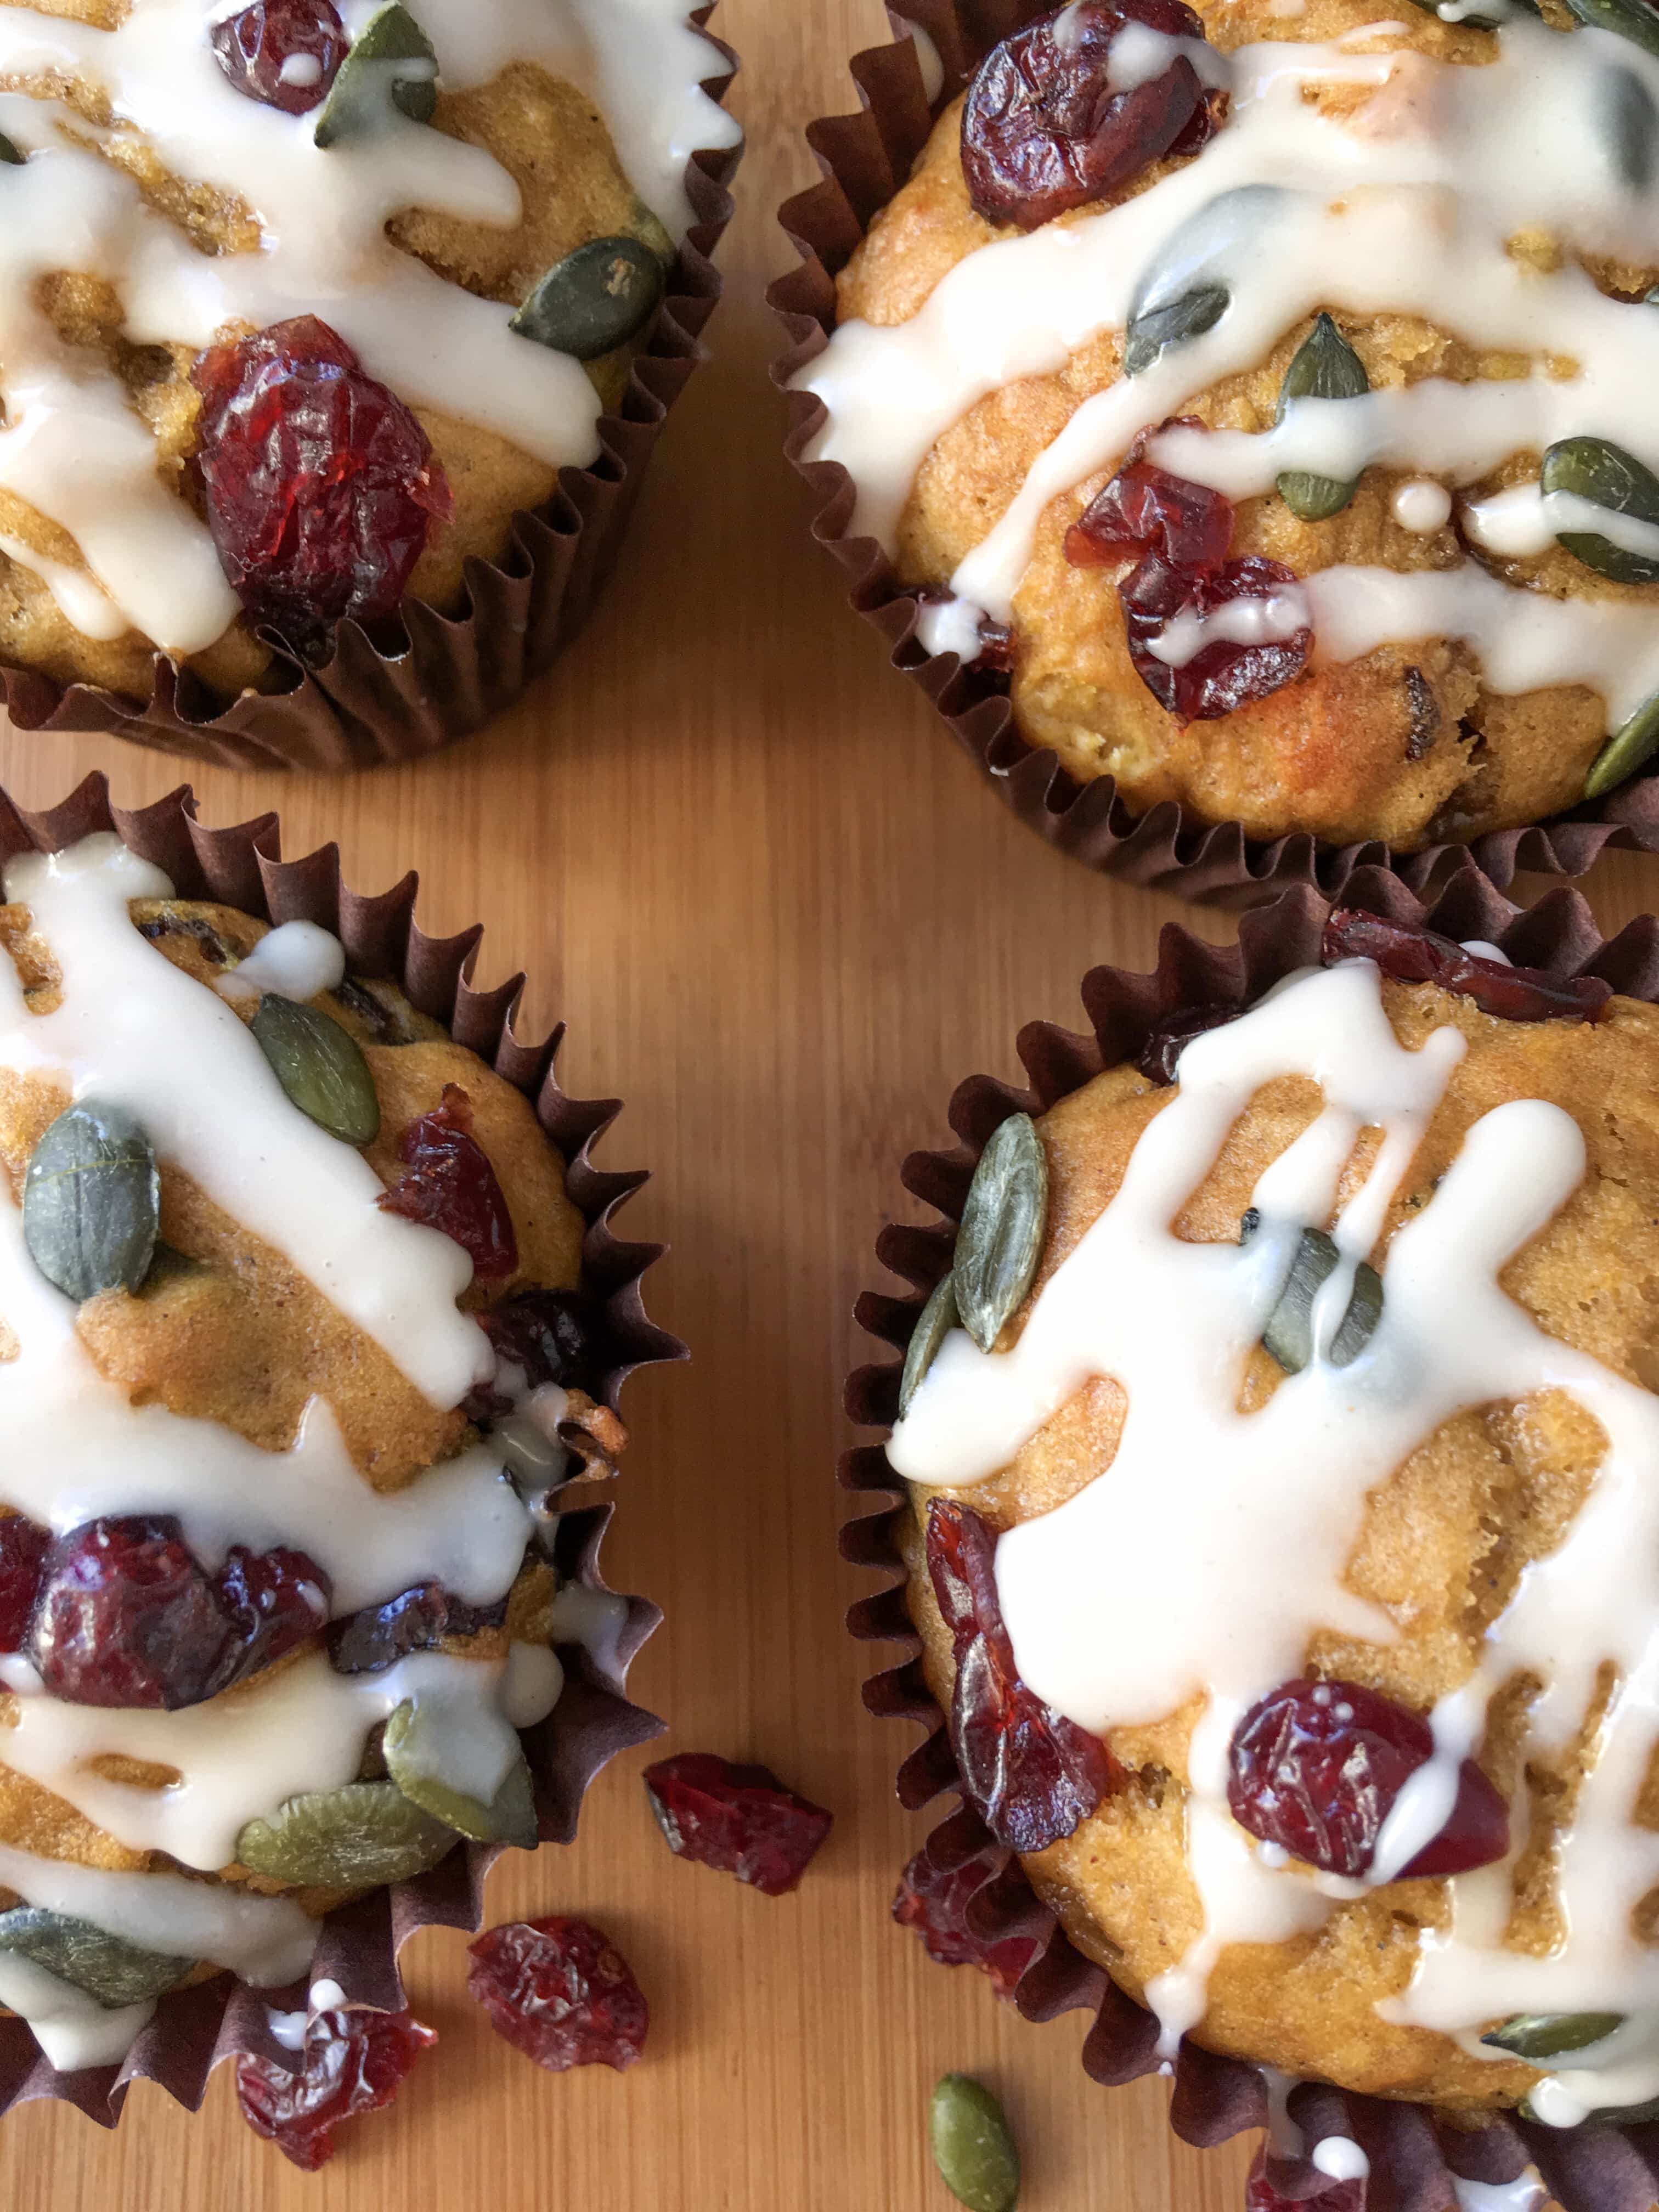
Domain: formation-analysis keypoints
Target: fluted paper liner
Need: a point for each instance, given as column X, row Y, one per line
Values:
column 1414, row 2156
column 196, row 2029
column 400, row 689
column 865, row 159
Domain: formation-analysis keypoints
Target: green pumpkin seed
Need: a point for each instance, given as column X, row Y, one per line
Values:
column 595, row 299
column 321, row 1067
column 1000, row 1239
column 1626, row 19
column 1187, row 288
column 369, row 77
column 115, row 1972
column 92, row 1202
column 418, row 1747
column 1323, row 367
column 1364, row 1312
column 1551, row 2034
column 1158, row 330
column 1289, row 1334
column 1630, row 121
column 356, row 1837
column 1595, row 470
column 1629, row 748
column 936, row 1320
column 973, row 2146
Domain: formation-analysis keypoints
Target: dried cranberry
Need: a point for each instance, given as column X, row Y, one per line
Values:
column 1316, row 1767
column 1418, row 956
column 353, row 2062
column 936, row 1906
column 1225, row 674
column 451, row 1186
column 270, row 1602
column 1030, row 1774
column 555, row 1336
column 739, row 1820
column 22, row 1556
column 1261, row 2196
column 1164, row 1045
column 283, row 53
column 321, row 486
column 381, row 1635
column 1044, row 131
column 560, row 1991
column 1145, row 509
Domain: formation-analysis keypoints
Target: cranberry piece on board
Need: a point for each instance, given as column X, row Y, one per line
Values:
column 283, row 53
column 451, row 1186
column 1030, row 1774
column 560, row 1991
column 1418, row 956
column 1316, row 1768
column 1224, row 673
column 1145, row 509
column 1165, row 1044
column 127, row 1617
column 936, row 1906
column 270, row 1602
column 321, row 486
column 353, row 2062
column 1042, row 129
column 22, row 1556
column 738, row 1820
column 416, row 1619
column 1261, row 2196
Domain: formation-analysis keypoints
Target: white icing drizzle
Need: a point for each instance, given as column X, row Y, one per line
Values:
column 1341, row 2158
column 297, row 960
column 1525, row 2194
column 1404, row 206
column 1226, row 1535
column 72, row 2029
column 1245, row 621
column 1422, row 505
column 92, row 611
column 949, row 626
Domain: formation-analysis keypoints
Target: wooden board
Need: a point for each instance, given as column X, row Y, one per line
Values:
column 781, row 918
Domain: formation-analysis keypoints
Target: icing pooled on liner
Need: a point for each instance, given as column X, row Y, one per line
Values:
column 1225, row 1535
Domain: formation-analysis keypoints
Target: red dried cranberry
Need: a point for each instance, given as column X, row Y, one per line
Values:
column 560, row 1991
column 1225, row 674
column 1145, row 509
column 1261, row 2196
column 1044, row 131
column 451, row 1186
column 1030, row 1774
column 283, row 53
column 22, row 1556
column 936, row 1906
column 555, row 1336
column 127, row 1617
column 1418, row 956
column 1164, row 1045
column 270, row 1602
column 381, row 1635
column 1316, row 1767
column 353, row 2062
column 738, row 1820
column 321, row 486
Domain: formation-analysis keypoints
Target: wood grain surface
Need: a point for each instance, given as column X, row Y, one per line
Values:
column 782, row 919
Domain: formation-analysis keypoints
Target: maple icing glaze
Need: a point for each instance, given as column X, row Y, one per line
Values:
column 1224, row 1536
column 1403, row 205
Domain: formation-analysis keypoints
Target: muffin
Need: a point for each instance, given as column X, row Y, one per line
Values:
column 1239, row 390
column 308, row 316
column 1277, row 1522
column 301, row 1357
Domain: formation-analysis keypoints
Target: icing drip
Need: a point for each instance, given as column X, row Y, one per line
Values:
column 297, row 961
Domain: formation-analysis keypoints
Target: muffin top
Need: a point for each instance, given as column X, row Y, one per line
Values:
column 1287, row 1559
column 294, row 1354
column 1261, row 386
column 298, row 303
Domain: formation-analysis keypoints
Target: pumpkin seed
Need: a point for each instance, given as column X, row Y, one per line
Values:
column 1551, row 2034
column 1000, row 1239
column 934, row 1323
column 358, row 1836
column 115, row 1972
column 973, row 2146
column 1626, row 19
column 321, row 1067
column 419, row 1745
column 1289, row 1334
column 1364, row 1312
column 92, row 1201
column 1323, row 367
column 369, row 76
column 1186, row 290
column 595, row 299
column 1632, row 123
column 1595, row 470
column 1628, row 748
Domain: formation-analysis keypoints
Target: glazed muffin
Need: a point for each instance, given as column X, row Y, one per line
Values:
column 1277, row 1450
column 297, row 1355
column 1255, row 392
column 300, row 315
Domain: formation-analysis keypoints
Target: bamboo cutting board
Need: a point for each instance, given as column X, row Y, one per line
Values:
column 781, row 919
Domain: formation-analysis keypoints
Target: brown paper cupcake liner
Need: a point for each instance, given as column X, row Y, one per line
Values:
column 400, row 689
column 865, row 159
column 196, row 2029
column 1414, row 2155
